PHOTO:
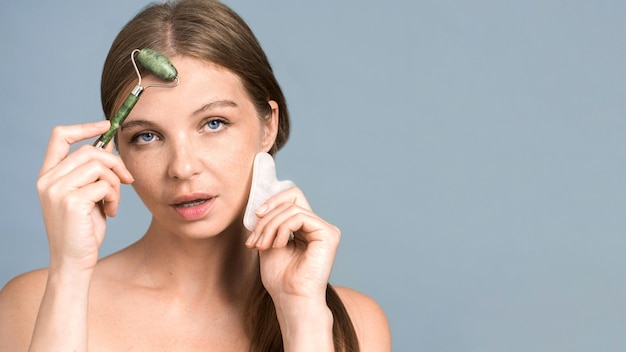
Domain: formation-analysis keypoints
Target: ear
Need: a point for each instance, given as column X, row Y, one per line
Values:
column 270, row 128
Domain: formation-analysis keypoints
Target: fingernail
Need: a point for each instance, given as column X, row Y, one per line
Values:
column 129, row 177
column 262, row 209
column 250, row 239
column 260, row 240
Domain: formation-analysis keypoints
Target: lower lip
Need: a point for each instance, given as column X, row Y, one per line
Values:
column 196, row 212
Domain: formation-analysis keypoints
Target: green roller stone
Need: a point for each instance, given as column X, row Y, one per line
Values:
column 157, row 64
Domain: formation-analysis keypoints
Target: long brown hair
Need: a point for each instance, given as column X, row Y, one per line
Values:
column 211, row 31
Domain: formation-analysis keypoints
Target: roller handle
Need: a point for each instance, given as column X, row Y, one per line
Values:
column 119, row 117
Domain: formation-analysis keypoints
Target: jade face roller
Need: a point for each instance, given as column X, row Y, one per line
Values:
column 156, row 64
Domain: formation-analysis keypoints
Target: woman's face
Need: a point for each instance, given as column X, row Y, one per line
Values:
column 191, row 148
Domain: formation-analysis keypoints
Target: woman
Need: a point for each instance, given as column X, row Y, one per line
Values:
column 197, row 280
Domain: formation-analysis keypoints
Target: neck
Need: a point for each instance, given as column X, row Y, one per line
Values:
column 217, row 269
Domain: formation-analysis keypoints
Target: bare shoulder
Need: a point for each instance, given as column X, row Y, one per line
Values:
column 19, row 303
column 23, row 293
column 369, row 319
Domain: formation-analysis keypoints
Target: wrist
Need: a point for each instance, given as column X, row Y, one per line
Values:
column 306, row 325
column 65, row 285
column 71, row 266
column 69, row 277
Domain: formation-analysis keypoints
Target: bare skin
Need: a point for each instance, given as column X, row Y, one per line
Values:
column 188, row 153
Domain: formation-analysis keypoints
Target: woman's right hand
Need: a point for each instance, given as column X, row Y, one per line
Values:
column 77, row 192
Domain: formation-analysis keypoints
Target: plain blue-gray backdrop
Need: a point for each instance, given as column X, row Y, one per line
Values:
column 472, row 152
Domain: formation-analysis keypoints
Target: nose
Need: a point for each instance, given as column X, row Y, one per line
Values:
column 184, row 162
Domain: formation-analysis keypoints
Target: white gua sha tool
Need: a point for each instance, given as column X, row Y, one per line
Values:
column 264, row 186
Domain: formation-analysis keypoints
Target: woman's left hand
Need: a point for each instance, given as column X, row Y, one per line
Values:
column 300, row 268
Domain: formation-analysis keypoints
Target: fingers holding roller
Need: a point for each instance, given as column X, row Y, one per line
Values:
column 78, row 190
column 62, row 137
column 87, row 154
column 95, row 172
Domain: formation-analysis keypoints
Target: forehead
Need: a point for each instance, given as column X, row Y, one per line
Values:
column 200, row 75
column 200, row 82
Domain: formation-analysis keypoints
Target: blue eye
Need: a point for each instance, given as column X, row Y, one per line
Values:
column 144, row 138
column 215, row 125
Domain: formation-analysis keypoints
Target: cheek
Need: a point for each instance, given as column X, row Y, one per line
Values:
column 235, row 168
column 236, row 151
column 145, row 171
column 233, row 171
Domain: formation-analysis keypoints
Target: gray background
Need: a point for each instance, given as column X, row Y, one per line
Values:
column 472, row 152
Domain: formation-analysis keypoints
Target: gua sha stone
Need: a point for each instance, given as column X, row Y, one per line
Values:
column 264, row 186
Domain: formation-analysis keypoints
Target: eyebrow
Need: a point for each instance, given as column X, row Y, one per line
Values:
column 216, row 104
column 138, row 123
column 152, row 125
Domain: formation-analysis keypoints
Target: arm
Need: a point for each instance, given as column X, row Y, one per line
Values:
column 296, row 272
column 62, row 319
column 77, row 192
column 305, row 325
column 59, row 314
